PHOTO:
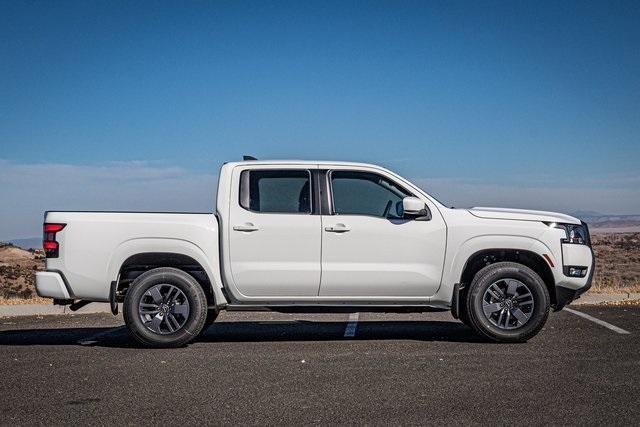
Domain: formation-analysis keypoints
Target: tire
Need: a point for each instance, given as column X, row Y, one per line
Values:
column 165, row 307
column 507, row 302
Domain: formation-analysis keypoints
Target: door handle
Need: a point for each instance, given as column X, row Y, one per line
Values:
column 338, row 228
column 245, row 227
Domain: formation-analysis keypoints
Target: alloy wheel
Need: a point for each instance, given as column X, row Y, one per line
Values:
column 163, row 309
column 508, row 303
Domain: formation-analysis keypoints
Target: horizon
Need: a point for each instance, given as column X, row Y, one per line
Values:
column 172, row 180
column 135, row 106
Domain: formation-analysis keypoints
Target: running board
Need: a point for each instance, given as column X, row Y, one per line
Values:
column 334, row 308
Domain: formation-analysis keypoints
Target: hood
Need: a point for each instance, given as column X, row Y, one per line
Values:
column 522, row 215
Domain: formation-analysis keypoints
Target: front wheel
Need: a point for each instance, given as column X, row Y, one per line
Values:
column 165, row 307
column 507, row 302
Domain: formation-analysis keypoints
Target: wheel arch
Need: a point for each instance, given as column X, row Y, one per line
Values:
column 134, row 257
column 459, row 254
column 480, row 259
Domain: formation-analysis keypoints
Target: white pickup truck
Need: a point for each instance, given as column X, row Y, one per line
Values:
column 309, row 236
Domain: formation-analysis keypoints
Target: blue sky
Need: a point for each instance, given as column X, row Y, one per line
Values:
column 134, row 105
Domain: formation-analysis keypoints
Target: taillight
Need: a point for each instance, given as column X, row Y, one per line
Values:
column 49, row 243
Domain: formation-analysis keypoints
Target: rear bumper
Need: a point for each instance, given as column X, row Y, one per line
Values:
column 51, row 284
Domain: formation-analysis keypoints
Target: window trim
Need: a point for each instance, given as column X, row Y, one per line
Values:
column 312, row 202
column 329, row 183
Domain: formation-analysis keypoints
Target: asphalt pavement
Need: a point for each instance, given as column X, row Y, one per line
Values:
column 274, row 369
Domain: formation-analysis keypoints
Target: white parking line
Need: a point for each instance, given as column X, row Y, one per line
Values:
column 598, row 321
column 94, row 338
column 350, row 330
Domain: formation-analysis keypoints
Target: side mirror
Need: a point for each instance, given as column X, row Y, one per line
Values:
column 414, row 207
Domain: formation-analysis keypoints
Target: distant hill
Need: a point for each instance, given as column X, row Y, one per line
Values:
column 30, row 243
column 598, row 220
column 16, row 271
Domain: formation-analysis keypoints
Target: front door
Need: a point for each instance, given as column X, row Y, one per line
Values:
column 369, row 249
column 274, row 234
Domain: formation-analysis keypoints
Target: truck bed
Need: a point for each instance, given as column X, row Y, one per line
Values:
column 94, row 244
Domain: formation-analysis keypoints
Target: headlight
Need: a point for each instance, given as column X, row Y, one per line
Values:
column 576, row 234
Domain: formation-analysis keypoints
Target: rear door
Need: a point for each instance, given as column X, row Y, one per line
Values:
column 369, row 249
column 275, row 231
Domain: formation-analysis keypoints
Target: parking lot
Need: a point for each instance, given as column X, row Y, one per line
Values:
column 270, row 368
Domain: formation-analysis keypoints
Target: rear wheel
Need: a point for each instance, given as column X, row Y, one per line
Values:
column 507, row 302
column 165, row 307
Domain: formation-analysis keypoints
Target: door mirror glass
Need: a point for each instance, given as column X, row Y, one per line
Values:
column 412, row 206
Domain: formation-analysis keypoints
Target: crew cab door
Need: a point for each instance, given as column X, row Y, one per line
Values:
column 369, row 249
column 274, row 233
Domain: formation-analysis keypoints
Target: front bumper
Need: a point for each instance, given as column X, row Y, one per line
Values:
column 565, row 295
column 51, row 284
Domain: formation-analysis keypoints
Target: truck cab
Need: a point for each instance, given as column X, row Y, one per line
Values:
column 309, row 232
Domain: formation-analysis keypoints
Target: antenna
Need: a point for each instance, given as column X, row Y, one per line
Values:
column 248, row 158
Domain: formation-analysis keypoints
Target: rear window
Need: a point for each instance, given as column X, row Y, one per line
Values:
column 276, row 191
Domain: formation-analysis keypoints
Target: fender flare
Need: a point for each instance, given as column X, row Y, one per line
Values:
column 476, row 244
column 142, row 245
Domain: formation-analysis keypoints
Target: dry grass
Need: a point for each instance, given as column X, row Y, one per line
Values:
column 19, row 301
column 17, row 278
column 617, row 262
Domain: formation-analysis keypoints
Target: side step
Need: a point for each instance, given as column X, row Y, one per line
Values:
column 335, row 308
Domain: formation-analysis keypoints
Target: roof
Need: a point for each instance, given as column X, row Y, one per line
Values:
column 303, row 162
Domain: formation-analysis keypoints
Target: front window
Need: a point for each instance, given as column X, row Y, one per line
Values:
column 365, row 193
